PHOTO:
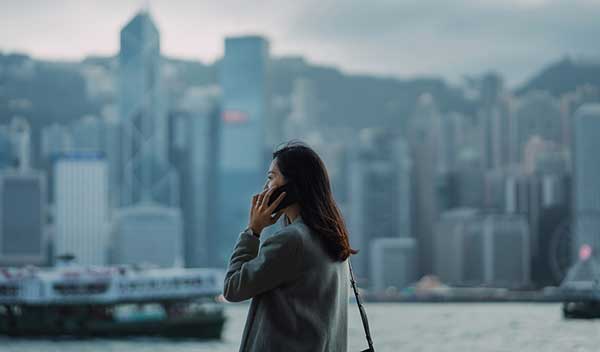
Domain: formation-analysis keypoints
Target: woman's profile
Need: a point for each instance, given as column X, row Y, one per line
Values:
column 298, row 278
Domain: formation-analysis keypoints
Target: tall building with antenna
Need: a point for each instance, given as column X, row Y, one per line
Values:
column 146, row 173
column 149, row 185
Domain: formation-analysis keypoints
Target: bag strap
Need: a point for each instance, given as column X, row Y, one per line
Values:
column 361, row 309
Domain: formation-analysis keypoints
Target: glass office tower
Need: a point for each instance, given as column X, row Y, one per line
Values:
column 243, row 155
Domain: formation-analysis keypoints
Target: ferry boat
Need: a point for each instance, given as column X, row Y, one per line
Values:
column 111, row 301
column 581, row 287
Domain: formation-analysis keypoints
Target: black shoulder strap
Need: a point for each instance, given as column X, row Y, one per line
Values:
column 361, row 309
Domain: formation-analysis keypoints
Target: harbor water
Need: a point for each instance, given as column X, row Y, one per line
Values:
column 420, row 327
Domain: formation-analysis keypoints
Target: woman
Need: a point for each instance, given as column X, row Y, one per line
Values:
column 298, row 279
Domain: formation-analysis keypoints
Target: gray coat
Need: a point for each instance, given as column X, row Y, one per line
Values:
column 299, row 294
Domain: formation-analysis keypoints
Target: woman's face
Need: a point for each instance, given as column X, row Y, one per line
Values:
column 274, row 177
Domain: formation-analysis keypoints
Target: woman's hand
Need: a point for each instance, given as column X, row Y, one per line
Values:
column 260, row 213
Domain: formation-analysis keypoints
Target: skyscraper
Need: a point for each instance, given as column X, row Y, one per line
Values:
column 570, row 102
column 112, row 151
column 22, row 218
column 475, row 248
column 379, row 192
column 460, row 151
column 81, row 202
column 302, row 119
column 494, row 119
column 450, row 261
column 243, row 154
column 393, row 263
column 196, row 138
column 15, row 144
column 20, row 133
column 428, row 167
column 146, row 173
column 534, row 194
column 22, row 202
column 466, row 182
column 586, row 193
column 56, row 140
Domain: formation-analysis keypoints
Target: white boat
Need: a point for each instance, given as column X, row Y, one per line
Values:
column 111, row 300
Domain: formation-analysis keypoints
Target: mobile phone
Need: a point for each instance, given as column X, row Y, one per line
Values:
column 289, row 198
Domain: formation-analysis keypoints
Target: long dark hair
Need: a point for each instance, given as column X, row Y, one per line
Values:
column 305, row 171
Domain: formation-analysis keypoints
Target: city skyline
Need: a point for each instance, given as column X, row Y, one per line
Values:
column 409, row 39
column 446, row 159
column 448, row 148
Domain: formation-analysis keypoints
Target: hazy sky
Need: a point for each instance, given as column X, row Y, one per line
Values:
column 403, row 38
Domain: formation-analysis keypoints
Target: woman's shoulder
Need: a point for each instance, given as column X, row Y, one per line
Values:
column 290, row 234
column 296, row 234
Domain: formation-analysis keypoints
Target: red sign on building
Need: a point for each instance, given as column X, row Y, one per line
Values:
column 234, row 116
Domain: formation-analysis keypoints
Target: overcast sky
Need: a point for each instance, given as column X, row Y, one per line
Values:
column 404, row 38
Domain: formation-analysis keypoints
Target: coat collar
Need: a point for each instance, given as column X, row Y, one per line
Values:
column 297, row 219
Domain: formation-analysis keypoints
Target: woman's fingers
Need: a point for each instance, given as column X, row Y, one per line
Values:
column 266, row 194
column 253, row 205
column 261, row 195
